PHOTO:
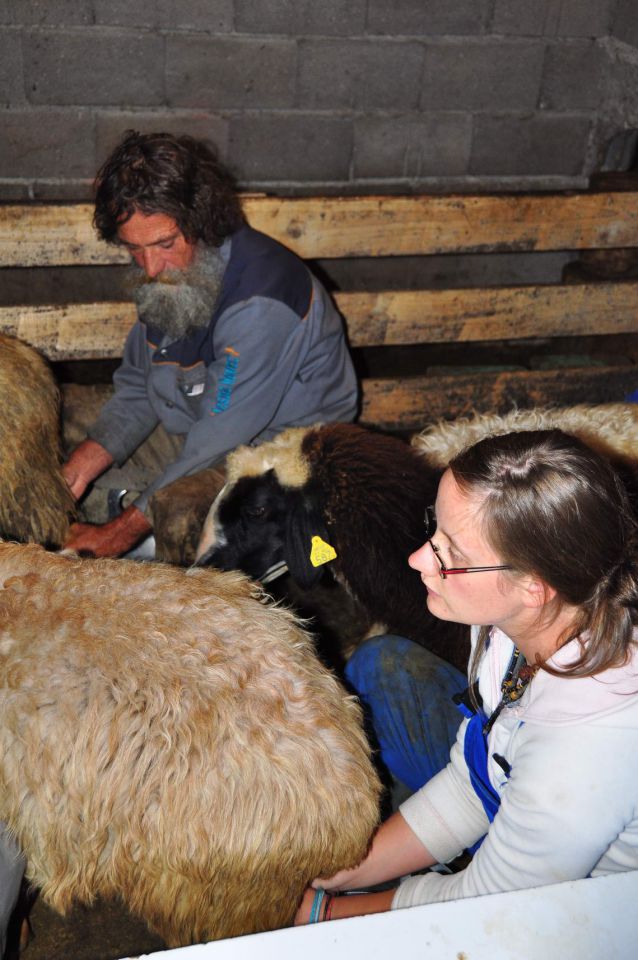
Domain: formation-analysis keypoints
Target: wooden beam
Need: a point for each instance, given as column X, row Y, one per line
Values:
column 98, row 330
column 44, row 235
column 496, row 313
column 413, row 402
column 62, row 234
column 399, row 226
column 87, row 331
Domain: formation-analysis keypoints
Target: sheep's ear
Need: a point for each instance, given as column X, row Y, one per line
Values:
column 306, row 538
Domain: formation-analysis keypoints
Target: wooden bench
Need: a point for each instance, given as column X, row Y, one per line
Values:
column 423, row 320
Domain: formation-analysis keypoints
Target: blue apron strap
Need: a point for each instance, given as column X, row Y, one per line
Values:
column 475, row 753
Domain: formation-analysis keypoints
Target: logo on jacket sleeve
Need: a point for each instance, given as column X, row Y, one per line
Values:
column 225, row 386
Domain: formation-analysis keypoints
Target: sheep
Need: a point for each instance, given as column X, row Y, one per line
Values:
column 359, row 497
column 169, row 737
column 36, row 504
column 610, row 428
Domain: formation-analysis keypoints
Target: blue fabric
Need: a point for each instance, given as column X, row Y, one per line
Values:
column 475, row 753
column 632, row 397
column 407, row 692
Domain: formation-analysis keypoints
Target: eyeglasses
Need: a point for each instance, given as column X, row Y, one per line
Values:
column 430, row 529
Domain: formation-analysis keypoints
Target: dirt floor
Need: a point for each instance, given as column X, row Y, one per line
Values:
column 103, row 932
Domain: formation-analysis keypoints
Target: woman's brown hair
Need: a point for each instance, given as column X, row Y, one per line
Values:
column 553, row 508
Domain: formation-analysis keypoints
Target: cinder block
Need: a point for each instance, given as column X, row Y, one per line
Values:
column 62, row 190
column 334, row 74
column 573, row 76
column 211, row 17
column 482, row 75
column 111, row 126
column 47, row 143
column 200, row 15
column 625, row 22
column 621, row 109
column 412, row 146
column 549, row 18
column 330, row 18
column 529, row 145
column 122, row 13
column 232, row 73
column 94, row 67
column 11, row 76
column 414, row 18
column 293, row 146
column 50, row 13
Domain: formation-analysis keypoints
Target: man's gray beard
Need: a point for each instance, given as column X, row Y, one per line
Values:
column 179, row 302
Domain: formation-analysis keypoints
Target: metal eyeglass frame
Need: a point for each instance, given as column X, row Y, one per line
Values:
column 430, row 529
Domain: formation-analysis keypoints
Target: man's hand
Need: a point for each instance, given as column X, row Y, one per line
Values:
column 87, row 462
column 110, row 539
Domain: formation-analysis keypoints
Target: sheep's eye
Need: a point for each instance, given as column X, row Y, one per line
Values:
column 255, row 513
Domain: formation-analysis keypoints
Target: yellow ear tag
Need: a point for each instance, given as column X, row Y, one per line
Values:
column 321, row 552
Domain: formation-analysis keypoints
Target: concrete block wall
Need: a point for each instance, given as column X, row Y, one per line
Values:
column 307, row 96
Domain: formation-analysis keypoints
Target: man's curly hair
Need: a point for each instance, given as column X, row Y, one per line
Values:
column 178, row 176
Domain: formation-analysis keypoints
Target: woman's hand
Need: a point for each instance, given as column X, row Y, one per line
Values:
column 343, row 880
column 395, row 852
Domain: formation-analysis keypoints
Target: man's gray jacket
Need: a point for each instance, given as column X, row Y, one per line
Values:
column 273, row 356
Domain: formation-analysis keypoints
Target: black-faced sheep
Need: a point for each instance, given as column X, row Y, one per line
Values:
column 343, row 495
column 36, row 504
column 168, row 737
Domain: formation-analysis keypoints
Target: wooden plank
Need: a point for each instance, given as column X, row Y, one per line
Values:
column 77, row 332
column 503, row 313
column 392, row 226
column 98, row 330
column 40, row 235
column 411, row 403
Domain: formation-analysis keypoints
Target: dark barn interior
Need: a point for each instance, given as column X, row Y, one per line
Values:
column 340, row 98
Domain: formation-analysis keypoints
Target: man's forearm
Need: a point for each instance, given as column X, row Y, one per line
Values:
column 86, row 462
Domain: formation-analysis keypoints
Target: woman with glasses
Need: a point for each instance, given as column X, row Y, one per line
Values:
column 533, row 543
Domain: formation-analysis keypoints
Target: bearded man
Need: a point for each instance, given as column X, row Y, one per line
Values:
column 235, row 339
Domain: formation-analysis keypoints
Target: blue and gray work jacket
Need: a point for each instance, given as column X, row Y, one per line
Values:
column 273, row 356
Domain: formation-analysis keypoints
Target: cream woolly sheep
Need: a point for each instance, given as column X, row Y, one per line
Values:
column 168, row 737
column 610, row 428
column 36, row 502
